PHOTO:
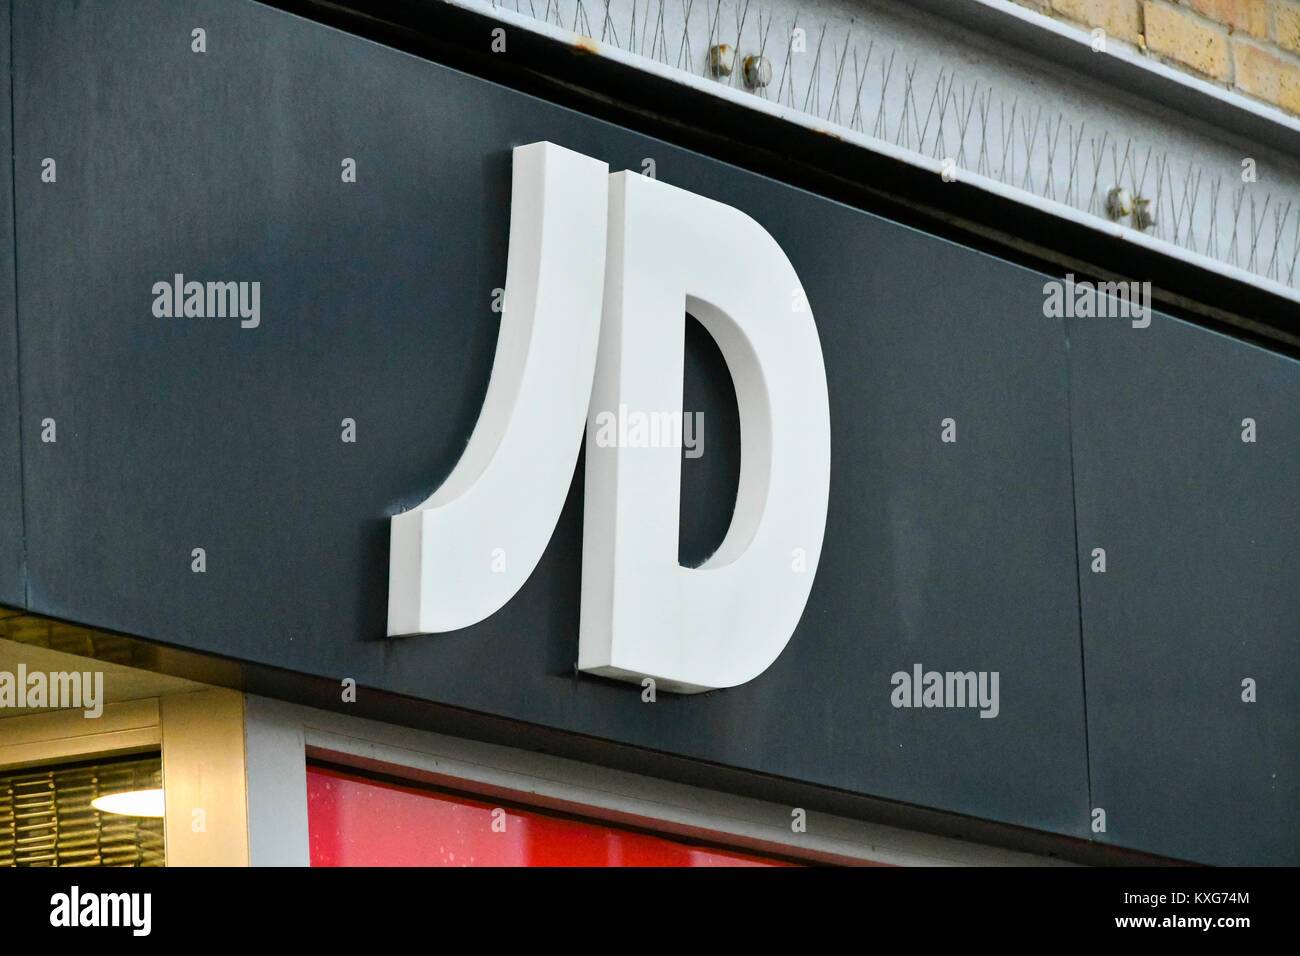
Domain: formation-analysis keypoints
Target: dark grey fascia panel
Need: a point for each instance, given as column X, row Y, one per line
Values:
column 176, row 434
column 11, row 502
column 1199, row 594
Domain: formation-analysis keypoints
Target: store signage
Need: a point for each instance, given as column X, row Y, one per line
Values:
column 287, row 451
column 602, row 270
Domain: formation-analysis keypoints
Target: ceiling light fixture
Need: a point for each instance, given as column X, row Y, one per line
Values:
column 131, row 803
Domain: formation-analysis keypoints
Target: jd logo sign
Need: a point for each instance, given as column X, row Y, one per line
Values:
column 602, row 270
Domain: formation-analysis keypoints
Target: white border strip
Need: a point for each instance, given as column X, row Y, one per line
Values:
column 279, row 733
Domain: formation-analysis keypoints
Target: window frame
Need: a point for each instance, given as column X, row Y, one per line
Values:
column 200, row 735
column 282, row 735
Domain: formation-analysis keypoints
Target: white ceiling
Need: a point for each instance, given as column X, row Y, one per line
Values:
column 120, row 682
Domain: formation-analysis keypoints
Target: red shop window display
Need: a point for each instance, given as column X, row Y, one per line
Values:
column 358, row 821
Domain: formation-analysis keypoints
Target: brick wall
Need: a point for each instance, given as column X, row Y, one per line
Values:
column 1252, row 46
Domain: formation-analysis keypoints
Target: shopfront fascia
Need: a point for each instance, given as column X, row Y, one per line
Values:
column 214, row 490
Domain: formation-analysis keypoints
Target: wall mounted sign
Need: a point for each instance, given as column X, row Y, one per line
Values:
column 468, row 549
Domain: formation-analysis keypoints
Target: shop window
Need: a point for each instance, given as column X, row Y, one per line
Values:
column 358, row 821
column 46, row 817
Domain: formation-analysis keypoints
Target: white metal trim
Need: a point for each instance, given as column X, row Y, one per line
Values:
column 280, row 735
column 36, row 739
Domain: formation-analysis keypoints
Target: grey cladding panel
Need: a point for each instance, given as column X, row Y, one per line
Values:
column 11, row 515
column 1200, row 530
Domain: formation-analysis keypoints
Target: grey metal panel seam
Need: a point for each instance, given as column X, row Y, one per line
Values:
column 1078, row 580
column 11, row 228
